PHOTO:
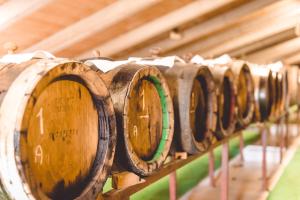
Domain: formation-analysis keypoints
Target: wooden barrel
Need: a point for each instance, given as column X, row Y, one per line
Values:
column 293, row 74
column 195, row 105
column 264, row 89
column 144, row 112
column 245, row 93
column 226, row 98
column 286, row 94
column 57, row 130
column 278, row 77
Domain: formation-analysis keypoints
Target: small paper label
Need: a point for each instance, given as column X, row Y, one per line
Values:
column 23, row 57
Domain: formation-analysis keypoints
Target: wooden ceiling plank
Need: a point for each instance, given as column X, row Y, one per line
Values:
column 93, row 23
column 211, row 26
column 158, row 26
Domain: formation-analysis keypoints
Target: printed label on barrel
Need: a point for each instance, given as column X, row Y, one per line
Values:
column 61, row 143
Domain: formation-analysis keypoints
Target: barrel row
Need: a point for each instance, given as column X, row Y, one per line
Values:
column 65, row 124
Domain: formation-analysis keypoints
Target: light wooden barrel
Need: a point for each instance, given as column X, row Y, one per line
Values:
column 285, row 90
column 293, row 74
column 57, row 130
column 226, row 98
column 195, row 105
column 264, row 89
column 245, row 93
column 145, row 116
column 277, row 107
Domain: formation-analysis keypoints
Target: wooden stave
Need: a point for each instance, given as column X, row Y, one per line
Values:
column 241, row 68
column 118, row 89
column 33, row 72
column 278, row 79
column 180, row 78
column 277, row 108
column 219, row 74
column 285, row 89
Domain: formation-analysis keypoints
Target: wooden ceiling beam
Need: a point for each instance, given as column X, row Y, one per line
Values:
column 129, row 23
column 292, row 59
column 12, row 11
column 266, row 25
column 49, row 19
column 276, row 52
column 91, row 24
column 265, row 43
column 157, row 27
column 208, row 27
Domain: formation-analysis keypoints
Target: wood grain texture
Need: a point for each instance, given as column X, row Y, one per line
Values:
column 62, row 139
column 144, row 119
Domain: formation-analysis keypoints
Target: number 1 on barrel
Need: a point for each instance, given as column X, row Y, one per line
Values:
column 40, row 116
column 143, row 97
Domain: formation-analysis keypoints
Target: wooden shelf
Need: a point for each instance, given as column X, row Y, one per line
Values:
column 169, row 167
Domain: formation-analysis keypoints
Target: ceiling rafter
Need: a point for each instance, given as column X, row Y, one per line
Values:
column 157, row 27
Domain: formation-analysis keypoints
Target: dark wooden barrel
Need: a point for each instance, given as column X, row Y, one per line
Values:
column 264, row 89
column 226, row 98
column 57, row 130
column 195, row 105
column 245, row 92
column 145, row 116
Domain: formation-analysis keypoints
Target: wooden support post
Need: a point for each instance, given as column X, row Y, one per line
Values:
column 225, row 171
column 172, row 185
column 264, row 132
column 287, row 130
column 241, row 147
column 298, row 118
column 280, row 132
column 211, row 167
